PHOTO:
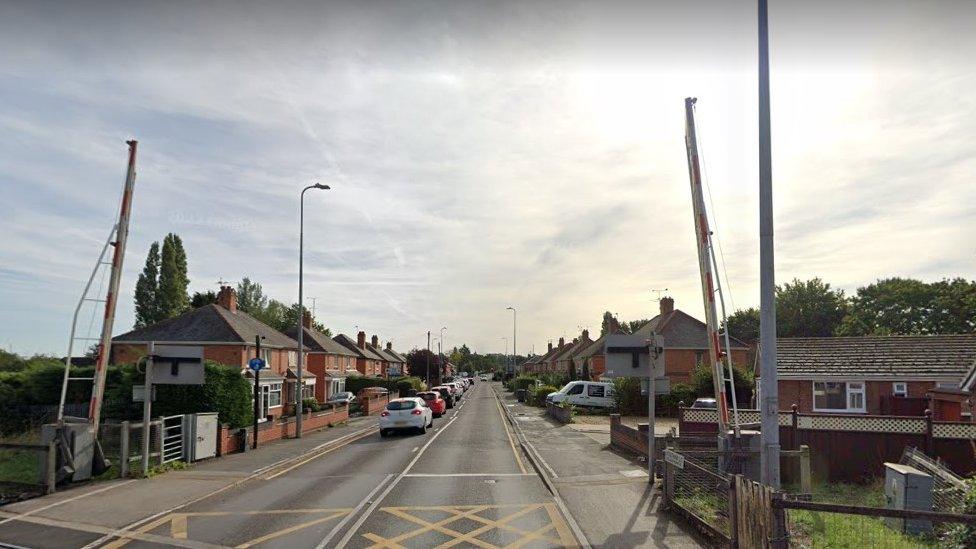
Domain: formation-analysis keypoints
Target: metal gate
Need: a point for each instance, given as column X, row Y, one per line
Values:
column 172, row 437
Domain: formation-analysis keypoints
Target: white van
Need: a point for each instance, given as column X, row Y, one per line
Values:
column 598, row 394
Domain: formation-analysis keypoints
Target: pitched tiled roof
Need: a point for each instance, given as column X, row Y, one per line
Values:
column 923, row 356
column 574, row 349
column 349, row 343
column 595, row 348
column 209, row 324
column 387, row 356
column 317, row 342
column 682, row 331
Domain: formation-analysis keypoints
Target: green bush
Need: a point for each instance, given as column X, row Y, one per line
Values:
column 627, row 396
column 964, row 535
column 399, row 384
column 668, row 404
column 701, row 382
column 537, row 397
column 522, row 382
column 310, row 405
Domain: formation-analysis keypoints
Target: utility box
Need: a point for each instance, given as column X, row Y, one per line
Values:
column 80, row 442
column 199, row 436
column 909, row 489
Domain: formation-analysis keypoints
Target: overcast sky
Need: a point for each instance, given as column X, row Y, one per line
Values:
column 481, row 154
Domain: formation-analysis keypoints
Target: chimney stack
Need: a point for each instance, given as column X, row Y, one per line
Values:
column 561, row 342
column 375, row 342
column 361, row 340
column 550, row 346
column 586, row 334
column 389, row 345
column 307, row 319
column 667, row 305
column 227, row 298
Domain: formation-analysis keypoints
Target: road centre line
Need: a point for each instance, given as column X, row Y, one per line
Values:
column 389, row 488
column 359, row 507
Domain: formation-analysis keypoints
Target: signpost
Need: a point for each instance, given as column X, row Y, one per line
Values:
column 630, row 355
column 167, row 365
column 256, row 364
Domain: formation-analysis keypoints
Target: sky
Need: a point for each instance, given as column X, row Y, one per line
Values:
column 481, row 155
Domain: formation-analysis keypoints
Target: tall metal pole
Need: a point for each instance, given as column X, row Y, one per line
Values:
column 301, row 309
column 105, row 345
column 147, row 411
column 257, row 395
column 769, row 407
column 514, row 330
column 428, row 359
column 440, row 345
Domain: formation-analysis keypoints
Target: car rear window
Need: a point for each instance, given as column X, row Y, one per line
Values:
column 427, row 396
column 401, row 405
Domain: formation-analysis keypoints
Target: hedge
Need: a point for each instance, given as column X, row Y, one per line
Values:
column 538, row 396
column 399, row 384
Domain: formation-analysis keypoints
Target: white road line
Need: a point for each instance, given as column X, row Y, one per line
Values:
column 389, row 488
column 415, row 448
column 359, row 507
column 62, row 502
column 470, row 475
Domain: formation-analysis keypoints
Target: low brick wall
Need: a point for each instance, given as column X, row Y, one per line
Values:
column 228, row 441
column 558, row 413
column 375, row 405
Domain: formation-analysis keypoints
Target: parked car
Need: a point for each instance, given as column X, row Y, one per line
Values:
column 406, row 413
column 707, row 403
column 597, row 394
column 437, row 404
column 485, row 377
column 458, row 389
column 447, row 393
column 344, row 397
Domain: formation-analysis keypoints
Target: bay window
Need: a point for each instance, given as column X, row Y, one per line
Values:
column 838, row 396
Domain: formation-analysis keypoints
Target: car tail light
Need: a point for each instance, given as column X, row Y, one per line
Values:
column 385, row 413
column 416, row 412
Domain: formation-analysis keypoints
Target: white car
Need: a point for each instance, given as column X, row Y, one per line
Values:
column 406, row 413
column 485, row 377
column 597, row 394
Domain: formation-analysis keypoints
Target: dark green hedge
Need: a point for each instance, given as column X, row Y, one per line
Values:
column 399, row 384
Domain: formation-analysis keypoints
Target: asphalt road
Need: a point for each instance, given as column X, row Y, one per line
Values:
column 465, row 483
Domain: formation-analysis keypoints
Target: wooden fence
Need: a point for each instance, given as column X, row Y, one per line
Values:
column 852, row 448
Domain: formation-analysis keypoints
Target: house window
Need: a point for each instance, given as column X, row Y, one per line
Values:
column 838, row 396
column 899, row 389
column 947, row 385
column 308, row 388
column 699, row 358
column 266, row 355
column 292, row 359
column 273, row 393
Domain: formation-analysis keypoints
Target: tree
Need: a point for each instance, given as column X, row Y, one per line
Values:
column 147, row 287
column 907, row 306
column 172, row 293
column 200, row 299
column 633, row 325
column 250, row 296
column 744, row 325
column 808, row 309
column 610, row 324
column 417, row 361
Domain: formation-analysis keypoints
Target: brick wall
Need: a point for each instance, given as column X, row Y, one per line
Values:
column 227, row 439
column 231, row 355
column 375, row 405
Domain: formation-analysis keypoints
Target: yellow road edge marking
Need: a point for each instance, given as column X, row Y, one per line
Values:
column 177, row 528
column 566, row 538
column 511, row 441
column 289, row 530
column 320, row 454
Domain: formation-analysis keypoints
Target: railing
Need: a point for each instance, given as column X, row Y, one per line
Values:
column 172, row 443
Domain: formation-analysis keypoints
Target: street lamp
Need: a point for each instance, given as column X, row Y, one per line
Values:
column 301, row 307
column 440, row 346
column 514, row 324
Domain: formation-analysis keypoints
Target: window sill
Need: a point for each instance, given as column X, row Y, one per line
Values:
column 845, row 411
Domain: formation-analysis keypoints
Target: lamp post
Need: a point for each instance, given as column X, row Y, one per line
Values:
column 301, row 307
column 514, row 325
column 440, row 345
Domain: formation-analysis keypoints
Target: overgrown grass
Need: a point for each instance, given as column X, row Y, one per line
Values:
column 20, row 466
column 706, row 506
column 814, row 529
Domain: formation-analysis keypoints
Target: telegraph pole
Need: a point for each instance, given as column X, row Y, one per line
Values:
column 428, row 359
column 769, row 390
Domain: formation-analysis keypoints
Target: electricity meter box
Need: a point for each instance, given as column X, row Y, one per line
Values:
column 909, row 489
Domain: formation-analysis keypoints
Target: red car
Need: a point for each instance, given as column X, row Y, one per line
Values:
column 437, row 404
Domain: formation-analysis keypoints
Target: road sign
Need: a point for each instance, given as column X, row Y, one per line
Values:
column 631, row 355
column 177, row 365
column 674, row 458
column 256, row 364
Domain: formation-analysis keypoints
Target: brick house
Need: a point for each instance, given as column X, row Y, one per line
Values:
column 685, row 343
column 565, row 359
column 547, row 363
column 227, row 336
column 886, row 375
column 591, row 361
column 328, row 361
column 394, row 365
column 368, row 363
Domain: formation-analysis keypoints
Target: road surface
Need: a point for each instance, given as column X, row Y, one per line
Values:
column 465, row 483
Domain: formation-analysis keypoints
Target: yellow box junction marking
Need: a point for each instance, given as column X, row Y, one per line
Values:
column 178, row 523
column 554, row 525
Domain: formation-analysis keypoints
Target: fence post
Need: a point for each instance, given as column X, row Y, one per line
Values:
column 51, row 468
column 928, row 432
column 668, row 484
column 805, row 484
column 124, row 450
column 780, row 537
column 793, row 434
column 734, row 512
column 159, row 440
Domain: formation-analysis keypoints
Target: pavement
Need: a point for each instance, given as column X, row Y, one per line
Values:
column 607, row 492
column 471, row 481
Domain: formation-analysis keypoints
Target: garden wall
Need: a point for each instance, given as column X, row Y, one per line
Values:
column 228, row 441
